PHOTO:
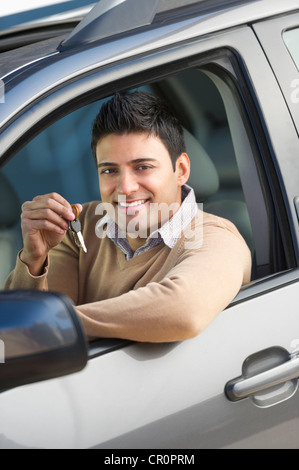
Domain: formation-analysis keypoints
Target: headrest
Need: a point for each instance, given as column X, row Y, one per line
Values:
column 203, row 176
column 9, row 204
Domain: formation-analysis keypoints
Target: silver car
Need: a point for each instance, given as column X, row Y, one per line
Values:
column 230, row 70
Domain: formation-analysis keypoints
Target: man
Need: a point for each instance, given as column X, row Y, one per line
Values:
column 149, row 274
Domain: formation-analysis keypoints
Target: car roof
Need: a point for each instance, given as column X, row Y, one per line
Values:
column 33, row 26
column 22, row 17
column 113, row 19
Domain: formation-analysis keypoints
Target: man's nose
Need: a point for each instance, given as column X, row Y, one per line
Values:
column 127, row 183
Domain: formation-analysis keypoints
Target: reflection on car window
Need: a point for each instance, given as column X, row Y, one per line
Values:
column 291, row 39
column 59, row 159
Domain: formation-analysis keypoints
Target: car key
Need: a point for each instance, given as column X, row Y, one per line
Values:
column 75, row 226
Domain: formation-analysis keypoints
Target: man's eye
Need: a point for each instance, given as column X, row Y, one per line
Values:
column 144, row 167
column 108, row 171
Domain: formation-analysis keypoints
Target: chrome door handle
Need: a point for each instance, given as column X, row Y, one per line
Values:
column 241, row 387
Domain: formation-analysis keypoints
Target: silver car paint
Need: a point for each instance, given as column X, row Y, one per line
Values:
column 83, row 62
column 164, row 396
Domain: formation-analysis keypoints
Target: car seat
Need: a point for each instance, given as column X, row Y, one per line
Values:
column 197, row 102
column 10, row 234
column 204, row 180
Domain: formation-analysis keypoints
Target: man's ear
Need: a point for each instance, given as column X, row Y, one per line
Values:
column 183, row 169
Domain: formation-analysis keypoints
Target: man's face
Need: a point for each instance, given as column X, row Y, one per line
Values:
column 136, row 176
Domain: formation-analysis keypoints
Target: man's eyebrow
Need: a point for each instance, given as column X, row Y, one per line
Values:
column 144, row 159
column 136, row 160
column 100, row 165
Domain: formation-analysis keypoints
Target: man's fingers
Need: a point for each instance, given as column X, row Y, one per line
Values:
column 49, row 204
column 43, row 224
column 45, row 215
column 49, row 212
column 55, row 197
column 75, row 211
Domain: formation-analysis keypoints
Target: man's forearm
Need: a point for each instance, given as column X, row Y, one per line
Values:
column 179, row 307
column 22, row 278
column 160, row 312
column 36, row 266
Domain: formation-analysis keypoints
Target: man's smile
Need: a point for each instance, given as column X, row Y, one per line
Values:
column 132, row 203
column 130, row 207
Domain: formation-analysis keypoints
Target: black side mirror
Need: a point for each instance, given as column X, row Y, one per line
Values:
column 41, row 338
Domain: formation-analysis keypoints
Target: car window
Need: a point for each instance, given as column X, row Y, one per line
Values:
column 208, row 108
column 291, row 39
column 57, row 159
column 60, row 159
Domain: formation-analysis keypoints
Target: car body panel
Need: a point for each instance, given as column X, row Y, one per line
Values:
column 165, row 395
column 215, row 16
column 39, row 16
column 275, row 49
column 188, row 29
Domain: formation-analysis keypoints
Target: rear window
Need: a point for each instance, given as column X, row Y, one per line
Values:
column 291, row 39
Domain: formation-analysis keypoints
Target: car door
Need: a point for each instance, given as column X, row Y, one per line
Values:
column 235, row 385
column 279, row 38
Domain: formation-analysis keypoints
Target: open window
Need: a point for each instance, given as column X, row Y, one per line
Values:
column 217, row 116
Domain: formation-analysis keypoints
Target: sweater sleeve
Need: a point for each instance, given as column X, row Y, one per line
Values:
column 200, row 285
column 21, row 278
column 60, row 272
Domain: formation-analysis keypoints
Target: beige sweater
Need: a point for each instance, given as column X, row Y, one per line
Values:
column 160, row 295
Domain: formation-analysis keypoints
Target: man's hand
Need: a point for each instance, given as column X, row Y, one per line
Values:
column 45, row 221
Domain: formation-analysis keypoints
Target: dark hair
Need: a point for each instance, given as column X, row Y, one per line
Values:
column 139, row 112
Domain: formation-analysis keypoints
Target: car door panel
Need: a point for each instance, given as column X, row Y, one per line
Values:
column 270, row 34
column 144, row 395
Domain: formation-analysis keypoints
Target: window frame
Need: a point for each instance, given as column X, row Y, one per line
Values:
column 134, row 74
column 294, row 56
column 270, row 34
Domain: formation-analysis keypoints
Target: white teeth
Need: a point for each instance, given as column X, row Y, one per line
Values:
column 132, row 204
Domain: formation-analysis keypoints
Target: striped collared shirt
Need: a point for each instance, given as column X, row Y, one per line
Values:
column 168, row 233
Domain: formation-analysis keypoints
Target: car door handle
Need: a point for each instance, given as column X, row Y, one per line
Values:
column 241, row 387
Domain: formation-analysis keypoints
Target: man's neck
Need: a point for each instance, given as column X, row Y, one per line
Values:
column 135, row 242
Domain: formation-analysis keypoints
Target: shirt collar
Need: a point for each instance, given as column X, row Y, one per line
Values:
column 169, row 233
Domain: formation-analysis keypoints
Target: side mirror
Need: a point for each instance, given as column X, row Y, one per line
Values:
column 41, row 338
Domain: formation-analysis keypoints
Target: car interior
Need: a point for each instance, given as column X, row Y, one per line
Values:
column 60, row 159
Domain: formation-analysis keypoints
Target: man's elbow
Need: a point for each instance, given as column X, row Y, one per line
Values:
column 197, row 319
column 192, row 326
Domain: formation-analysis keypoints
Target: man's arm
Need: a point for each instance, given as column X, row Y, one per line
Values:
column 64, row 263
column 184, row 303
column 45, row 222
column 181, row 305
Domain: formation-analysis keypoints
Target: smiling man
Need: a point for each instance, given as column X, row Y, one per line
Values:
column 139, row 181
column 157, row 268
column 147, row 178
